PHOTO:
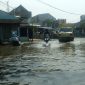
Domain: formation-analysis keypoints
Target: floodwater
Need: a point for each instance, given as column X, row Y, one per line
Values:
column 40, row 64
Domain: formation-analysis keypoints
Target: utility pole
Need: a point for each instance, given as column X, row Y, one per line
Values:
column 8, row 6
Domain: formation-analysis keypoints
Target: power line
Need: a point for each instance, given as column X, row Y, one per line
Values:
column 49, row 6
column 6, row 4
column 58, row 8
column 2, row 2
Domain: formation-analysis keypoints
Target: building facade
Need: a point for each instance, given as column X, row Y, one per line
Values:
column 8, row 24
column 25, row 16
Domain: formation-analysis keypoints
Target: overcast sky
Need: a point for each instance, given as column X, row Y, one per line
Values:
column 36, row 7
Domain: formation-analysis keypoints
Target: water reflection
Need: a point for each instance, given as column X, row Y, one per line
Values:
column 67, row 48
column 8, row 50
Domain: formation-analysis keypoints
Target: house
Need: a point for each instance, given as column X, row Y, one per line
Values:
column 45, row 19
column 82, row 18
column 80, row 27
column 25, row 16
column 8, row 24
column 22, row 12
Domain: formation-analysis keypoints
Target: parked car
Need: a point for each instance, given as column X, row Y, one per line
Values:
column 66, row 34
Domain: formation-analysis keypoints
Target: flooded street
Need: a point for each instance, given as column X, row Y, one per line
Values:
column 38, row 64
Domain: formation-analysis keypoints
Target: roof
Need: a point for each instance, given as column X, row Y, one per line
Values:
column 21, row 11
column 49, row 28
column 43, row 17
column 6, row 17
column 36, row 25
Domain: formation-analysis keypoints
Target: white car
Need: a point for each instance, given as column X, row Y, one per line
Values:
column 65, row 34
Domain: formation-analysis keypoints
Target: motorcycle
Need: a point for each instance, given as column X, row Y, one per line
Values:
column 46, row 38
column 14, row 40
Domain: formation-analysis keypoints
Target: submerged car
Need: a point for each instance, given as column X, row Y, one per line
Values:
column 66, row 34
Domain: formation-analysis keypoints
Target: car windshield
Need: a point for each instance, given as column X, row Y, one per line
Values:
column 65, row 30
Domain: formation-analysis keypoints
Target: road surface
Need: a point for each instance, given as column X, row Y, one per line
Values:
column 40, row 64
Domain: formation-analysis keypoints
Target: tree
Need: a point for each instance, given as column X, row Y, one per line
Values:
column 66, row 25
column 47, row 22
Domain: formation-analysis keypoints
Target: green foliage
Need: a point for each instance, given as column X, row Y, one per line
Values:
column 66, row 25
column 47, row 22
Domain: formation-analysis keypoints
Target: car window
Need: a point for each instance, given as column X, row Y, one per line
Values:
column 65, row 30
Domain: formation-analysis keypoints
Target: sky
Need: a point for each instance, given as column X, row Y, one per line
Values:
column 77, row 7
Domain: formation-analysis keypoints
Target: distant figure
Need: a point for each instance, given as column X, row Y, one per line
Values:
column 30, row 34
column 46, row 35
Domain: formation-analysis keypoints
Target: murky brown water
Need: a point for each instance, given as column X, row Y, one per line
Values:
column 38, row 64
